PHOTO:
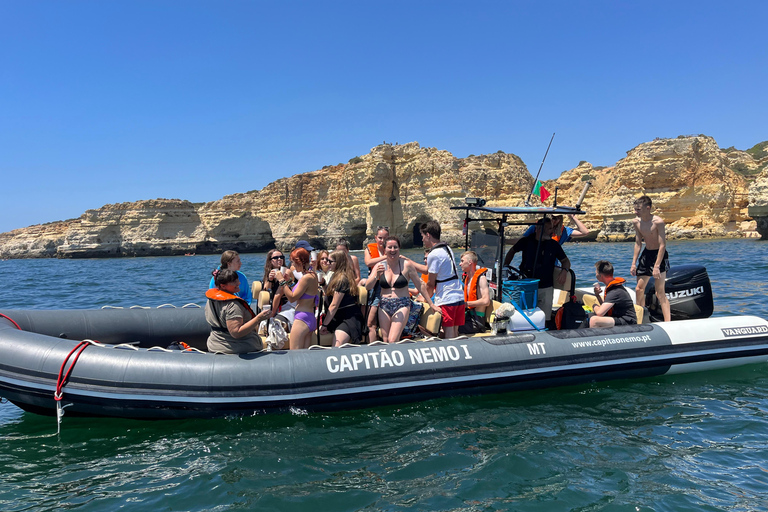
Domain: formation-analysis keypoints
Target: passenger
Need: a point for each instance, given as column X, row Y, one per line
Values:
column 654, row 261
column 344, row 318
column 477, row 294
column 343, row 245
column 561, row 233
column 230, row 260
column 540, row 250
column 374, row 253
column 616, row 307
column 324, row 272
column 233, row 322
column 303, row 244
column 305, row 294
column 393, row 274
column 424, row 277
column 443, row 279
column 275, row 261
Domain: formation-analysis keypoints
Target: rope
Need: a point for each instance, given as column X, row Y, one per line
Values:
column 11, row 320
column 63, row 377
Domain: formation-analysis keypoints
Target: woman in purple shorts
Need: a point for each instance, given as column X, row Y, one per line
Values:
column 304, row 292
column 393, row 275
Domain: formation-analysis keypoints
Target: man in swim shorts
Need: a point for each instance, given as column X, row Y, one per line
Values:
column 654, row 260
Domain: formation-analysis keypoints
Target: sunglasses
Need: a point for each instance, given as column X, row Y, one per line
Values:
column 331, row 261
column 278, row 258
column 325, row 259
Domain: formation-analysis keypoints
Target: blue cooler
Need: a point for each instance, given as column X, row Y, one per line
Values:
column 523, row 292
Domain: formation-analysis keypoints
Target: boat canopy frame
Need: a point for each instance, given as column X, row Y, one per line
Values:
column 501, row 215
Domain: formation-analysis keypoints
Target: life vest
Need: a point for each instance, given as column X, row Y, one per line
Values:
column 222, row 296
column 373, row 249
column 470, row 286
column 617, row 281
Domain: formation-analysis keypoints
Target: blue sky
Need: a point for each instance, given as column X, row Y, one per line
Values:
column 112, row 101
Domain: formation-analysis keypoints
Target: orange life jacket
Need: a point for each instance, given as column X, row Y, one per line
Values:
column 374, row 250
column 470, row 286
column 617, row 281
column 221, row 295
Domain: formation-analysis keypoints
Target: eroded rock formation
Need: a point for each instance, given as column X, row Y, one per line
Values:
column 692, row 182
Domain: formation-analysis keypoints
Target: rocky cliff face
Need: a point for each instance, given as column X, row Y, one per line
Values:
column 689, row 179
column 758, row 203
column 692, row 183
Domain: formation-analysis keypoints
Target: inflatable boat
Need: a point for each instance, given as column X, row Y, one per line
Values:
column 45, row 366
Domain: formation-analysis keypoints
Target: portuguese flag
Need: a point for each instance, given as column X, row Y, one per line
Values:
column 541, row 191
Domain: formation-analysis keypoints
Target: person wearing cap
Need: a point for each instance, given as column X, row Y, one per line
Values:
column 561, row 233
column 303, row 244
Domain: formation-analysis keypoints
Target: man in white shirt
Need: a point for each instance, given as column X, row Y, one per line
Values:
column 443, row 279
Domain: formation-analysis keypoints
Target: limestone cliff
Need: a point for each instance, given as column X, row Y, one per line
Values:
column 692, row 182
column 689, row 180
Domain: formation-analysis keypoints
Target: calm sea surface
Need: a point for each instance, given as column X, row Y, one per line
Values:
column 691, row 442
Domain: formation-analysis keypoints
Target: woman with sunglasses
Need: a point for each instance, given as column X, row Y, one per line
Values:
column 275, row 261
column 324, row 272
column 344, row 318
column 305, row 294
column 230, row 260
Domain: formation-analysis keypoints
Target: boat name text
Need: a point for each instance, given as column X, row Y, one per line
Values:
column 390, row 358
column 730, row 332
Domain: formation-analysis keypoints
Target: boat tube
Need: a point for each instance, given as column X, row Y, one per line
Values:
column 131, row 381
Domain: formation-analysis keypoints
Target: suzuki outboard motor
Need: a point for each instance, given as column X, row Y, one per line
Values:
column 689, row 292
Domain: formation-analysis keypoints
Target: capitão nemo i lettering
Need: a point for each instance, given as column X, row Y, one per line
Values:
column 391, row 358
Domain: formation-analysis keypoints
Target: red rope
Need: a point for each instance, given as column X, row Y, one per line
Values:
column 60, row 382
column 11, row 320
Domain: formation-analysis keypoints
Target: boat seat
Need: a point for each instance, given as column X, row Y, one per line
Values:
column 263, row 299
column 256, row 288
column 326, row 340
column 430, row 321
column 591, row 301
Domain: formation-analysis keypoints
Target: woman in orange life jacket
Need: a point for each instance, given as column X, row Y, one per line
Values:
column 616, row 306
column 393, row 274
column 477, row 294
column 233, row 322
column 305, row 294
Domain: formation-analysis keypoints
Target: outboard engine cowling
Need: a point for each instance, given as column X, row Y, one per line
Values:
column 689, row 292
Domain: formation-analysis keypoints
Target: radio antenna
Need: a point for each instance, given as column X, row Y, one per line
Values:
column 536, row 179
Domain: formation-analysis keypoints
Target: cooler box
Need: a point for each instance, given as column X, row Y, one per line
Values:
column 523, row 292
column 518, row 322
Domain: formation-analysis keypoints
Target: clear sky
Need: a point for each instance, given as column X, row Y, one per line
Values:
column 112, row 101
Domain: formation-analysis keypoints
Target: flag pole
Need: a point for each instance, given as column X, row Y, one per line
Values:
column 536, row 179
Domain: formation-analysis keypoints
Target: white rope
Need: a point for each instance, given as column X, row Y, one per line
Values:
column 166, row 306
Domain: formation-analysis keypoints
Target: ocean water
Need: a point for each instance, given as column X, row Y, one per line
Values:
column 688, row 442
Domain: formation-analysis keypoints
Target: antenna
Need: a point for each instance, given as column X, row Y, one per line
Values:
column 536, row 179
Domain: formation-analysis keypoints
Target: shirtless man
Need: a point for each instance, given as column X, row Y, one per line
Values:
column 654, row 260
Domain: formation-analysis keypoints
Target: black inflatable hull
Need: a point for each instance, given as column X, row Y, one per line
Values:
column 143, row 383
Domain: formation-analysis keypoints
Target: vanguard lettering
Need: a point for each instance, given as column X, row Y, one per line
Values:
column 744, row 331
column 390, row 358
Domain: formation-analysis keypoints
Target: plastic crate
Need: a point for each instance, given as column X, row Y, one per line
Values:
column 523, row 292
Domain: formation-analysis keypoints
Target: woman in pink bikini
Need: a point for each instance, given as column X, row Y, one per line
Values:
column 304, row 293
